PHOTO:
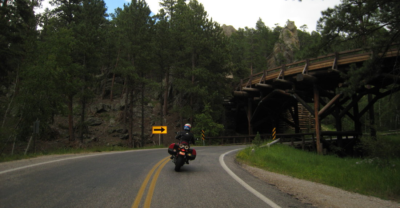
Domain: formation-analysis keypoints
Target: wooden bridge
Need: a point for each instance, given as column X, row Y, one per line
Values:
column 262, row 100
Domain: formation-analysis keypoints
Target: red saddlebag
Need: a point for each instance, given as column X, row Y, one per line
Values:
column 191, row 154
column 172, row 149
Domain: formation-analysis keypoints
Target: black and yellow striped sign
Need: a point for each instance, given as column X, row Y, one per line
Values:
column 203, row 135
column 274, row 133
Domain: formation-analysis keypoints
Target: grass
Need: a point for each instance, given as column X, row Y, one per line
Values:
column 325, row 127
column 364, row 176
column 63, row 151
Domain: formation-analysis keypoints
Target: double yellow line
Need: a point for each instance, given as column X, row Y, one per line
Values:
column 149, row 196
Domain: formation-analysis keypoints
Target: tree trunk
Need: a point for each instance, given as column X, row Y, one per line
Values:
column 12, row 98
column 82, row 118
column 142, row 103
column 112, row 83
column 180, row 107
column 13, row 147
column 131, row 87
column 131, row 142
column 70, row 118
column 112, row 86
column 29, row 143
column 162, row 112
column 166, row 93
column 191, row 96
column 82, row 111
column 125, row 109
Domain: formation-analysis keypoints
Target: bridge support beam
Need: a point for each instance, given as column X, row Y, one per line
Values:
column 249, row 114
column 371, row 115
column 356, row 114
column 338, row 121
column 296, row 118
column 316, row 116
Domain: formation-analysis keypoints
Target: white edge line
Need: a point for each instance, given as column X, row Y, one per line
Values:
column 70, row 158
column 244, row 184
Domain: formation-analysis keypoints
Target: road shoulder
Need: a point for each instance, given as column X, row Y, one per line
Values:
column 319, row 195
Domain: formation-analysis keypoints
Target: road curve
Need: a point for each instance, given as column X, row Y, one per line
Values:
column 140, row 178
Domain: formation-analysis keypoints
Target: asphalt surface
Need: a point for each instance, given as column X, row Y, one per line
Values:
column 115, row 180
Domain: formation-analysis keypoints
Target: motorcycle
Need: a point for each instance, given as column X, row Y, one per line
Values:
column 181, row 153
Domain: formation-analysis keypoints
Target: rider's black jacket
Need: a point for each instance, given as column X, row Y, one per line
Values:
column 185, row 136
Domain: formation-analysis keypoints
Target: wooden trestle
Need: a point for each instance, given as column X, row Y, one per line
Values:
column 267, row 96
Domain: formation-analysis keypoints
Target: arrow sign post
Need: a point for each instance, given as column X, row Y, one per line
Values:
column 159, row 130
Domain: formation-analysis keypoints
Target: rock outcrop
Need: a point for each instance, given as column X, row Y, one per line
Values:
column 285, row 47
column 228, row 30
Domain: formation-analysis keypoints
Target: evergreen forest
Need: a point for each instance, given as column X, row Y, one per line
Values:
column 57, row 63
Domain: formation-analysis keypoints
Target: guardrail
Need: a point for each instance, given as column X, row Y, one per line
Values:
column 290, row 138
column 244, row 139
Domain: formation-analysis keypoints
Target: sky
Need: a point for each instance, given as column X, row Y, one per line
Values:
column 241, row 14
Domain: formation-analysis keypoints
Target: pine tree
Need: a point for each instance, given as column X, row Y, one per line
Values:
column 164, row 57
column 237, row 43
column 357, row 24
column 18, row 29
column 90, row 37
column 71, row 38
column 17, row 40
column 135, row 26
column 202, row 58
column 263, row 47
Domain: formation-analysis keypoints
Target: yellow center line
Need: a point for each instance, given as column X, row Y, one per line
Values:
column 147, row 202
column 146, row 180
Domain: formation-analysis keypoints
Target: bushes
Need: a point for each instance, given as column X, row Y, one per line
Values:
column 257, row 140
column 382, row 148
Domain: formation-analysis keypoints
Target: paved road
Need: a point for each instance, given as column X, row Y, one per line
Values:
column 135, row 179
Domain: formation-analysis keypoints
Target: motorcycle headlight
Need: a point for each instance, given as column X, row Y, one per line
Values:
column 186, row 147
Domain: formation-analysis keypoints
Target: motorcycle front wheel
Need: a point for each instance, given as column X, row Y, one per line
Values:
column 179, row 163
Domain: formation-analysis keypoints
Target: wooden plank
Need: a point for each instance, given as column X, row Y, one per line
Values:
column 329, row 104
column 305, row 70
column 317, row 124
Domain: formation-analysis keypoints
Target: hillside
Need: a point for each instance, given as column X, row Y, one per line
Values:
column 106, row 128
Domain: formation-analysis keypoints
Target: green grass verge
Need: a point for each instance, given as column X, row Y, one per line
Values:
column 364, row 176
column 6, row 158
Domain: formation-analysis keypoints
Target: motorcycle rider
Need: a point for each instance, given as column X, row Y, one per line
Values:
column 186, row 136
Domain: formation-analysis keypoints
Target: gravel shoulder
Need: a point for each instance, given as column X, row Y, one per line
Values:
column 317, row 194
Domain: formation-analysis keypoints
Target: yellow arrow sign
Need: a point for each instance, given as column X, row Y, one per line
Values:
column 159, row 130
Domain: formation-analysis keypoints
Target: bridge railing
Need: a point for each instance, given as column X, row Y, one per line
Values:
column 331, row 60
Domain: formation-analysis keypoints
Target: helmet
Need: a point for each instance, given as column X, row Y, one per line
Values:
column 187, row 127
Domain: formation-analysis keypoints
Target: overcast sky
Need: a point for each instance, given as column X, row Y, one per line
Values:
column 239, row 13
